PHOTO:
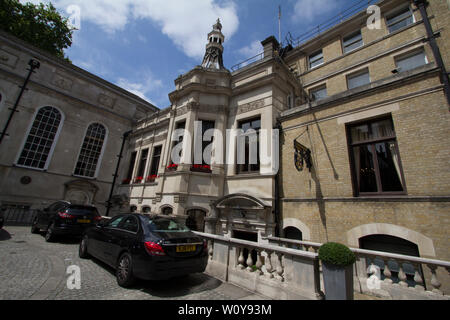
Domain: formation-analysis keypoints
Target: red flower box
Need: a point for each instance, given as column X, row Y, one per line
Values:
column 138, row 179
column 201, row 167
column 172, row 167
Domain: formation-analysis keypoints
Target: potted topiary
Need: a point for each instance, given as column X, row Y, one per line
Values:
column 337, row 268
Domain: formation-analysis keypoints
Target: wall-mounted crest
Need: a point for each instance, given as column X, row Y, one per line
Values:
column 302, row 156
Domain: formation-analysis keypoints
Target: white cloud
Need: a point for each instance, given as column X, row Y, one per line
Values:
column 252, row 49
column 307, row 11
column 186, row 23
column 141, row 88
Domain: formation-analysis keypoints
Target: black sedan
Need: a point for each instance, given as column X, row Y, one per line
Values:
column 64, row 218
column 145, row 247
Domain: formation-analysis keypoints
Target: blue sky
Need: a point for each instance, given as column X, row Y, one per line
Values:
column 143, row 45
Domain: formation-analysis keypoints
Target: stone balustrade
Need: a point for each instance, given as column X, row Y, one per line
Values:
column 393, row 272
column 274, row 271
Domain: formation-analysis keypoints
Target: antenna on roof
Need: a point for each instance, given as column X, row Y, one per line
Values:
column 279, row 24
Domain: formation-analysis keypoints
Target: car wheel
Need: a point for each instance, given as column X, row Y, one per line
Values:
column 124, row 271
column 50, row 236
column 83, row 250
column 34, row 228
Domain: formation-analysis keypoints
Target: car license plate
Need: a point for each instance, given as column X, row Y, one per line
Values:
column 84, row 221
column 189, row 248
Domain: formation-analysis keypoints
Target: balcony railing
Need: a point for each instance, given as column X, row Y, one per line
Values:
column 387, row 277
column 277, row 272
column 245, row 63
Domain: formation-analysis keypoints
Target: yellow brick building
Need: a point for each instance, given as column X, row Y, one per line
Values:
column 377, row 126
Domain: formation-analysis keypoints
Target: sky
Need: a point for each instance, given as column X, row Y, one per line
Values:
column 144, row 45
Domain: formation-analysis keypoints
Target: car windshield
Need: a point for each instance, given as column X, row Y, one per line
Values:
column 165, row 225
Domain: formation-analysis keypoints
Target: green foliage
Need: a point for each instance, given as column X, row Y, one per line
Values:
column 40, row 25
column 336, row 254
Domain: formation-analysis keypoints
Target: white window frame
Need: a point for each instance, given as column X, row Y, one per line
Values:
column 350, row 35
column 408, row 54
column 55, row 140
column 316, row 53
column 395, row 12
column 100, row 158
column 357, row 73
column 317, row 88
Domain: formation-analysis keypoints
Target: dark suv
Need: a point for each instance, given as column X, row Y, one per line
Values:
column 64, row 218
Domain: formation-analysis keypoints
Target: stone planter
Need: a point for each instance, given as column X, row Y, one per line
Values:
column 338, row 282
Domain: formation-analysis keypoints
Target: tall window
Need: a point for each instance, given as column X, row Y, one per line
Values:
column 316, row 59
column 206, row 125
column 155, row 161
column 358, row 79
column 127, row 180
column 141, row 168
column 179, row 125
column 40, row 139
column 411, row 61
column 250, row 147
column 352, row 41
column 90, row 151
column 399, row 20
column 375, row 157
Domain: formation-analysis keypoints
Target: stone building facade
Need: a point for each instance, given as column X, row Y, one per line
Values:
column 62, row 142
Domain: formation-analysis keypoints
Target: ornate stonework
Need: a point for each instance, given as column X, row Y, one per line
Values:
column 106, row 101
column 62, row 82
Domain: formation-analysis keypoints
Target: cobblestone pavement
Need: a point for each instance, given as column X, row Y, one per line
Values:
column 31, row 268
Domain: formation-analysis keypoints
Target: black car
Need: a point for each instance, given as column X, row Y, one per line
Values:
column 65, row 218
column 145, row 247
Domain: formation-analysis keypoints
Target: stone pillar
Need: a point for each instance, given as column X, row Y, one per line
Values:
column 270, row 44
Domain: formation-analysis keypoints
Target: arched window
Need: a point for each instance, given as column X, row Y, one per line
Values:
column 145, row 209
column 391, row 244
column 167, row 211
column 40, row 140
column 133, row 208
column 90, row 151
column 292, row 233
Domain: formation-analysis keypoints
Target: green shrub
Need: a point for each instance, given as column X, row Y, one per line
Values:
column 336, row 254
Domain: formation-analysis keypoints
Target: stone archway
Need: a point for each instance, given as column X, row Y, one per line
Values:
column 425, row 244
column 296, row 223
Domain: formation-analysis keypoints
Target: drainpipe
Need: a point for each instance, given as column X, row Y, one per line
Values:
column 277, row 182
column 421, row 4
column 34, row 64
column 108, row 203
